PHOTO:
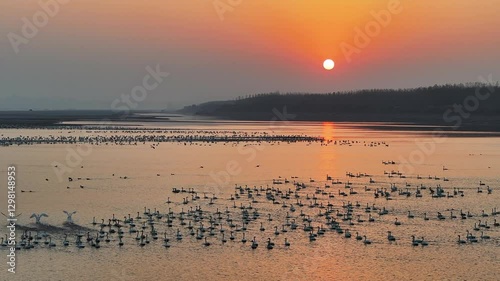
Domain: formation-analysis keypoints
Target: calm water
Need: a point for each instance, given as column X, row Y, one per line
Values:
column 216, row 168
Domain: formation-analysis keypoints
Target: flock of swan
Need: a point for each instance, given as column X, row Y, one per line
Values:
column 143, row 136
column 265, row 216
column 155, row 136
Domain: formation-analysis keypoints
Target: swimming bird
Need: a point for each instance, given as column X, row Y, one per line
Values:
column 390, row 237
column 66, row 242
column 423, row 242
column 206, row 244
column 484, row 236
column 425, row 217
column 460, row 241
column 270, row 245
column 366, row 241
column 254, row 243
column 358, row 237
column 287, row 244
column 51, row 244
column 415, row 242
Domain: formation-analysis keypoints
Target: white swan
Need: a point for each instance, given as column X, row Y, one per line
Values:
column 69, row 214
column 38, row 217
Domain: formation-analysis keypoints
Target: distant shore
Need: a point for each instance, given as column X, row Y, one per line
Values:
column 56, row 117
column 404, row 122
column 458, row 107
column 479, row 123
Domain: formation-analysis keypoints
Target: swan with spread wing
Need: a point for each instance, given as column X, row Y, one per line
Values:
column 69, row 219
column 38, row 217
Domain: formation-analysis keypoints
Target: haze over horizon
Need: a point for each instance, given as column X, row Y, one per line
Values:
column 90, row 53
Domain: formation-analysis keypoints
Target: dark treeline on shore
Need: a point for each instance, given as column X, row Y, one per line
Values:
column 471, row 106
column 419, row 105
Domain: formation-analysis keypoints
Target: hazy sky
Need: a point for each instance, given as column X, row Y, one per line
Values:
column 89, row 52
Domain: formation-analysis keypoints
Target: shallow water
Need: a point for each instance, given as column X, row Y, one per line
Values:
column 152, row 173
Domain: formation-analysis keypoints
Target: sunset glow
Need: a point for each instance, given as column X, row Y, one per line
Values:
column 328, row 64
column 268, row 42
column 250, row 139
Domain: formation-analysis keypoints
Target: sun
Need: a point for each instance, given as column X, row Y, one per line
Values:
column 328, row 64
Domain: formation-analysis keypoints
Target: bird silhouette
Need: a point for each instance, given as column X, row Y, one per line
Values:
column 38, row 217
column 69, row 214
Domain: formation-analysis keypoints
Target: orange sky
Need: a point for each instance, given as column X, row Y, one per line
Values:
column 259, row 39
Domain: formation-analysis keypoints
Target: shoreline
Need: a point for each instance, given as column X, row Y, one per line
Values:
column 385, row 122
